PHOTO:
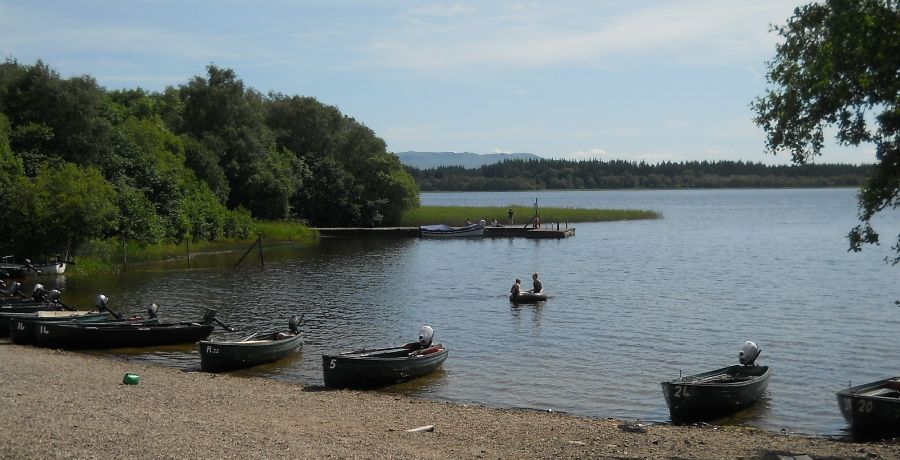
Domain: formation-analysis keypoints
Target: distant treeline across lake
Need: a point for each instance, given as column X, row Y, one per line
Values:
column 563, row 174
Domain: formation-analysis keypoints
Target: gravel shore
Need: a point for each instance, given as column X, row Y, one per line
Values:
column 58, row 404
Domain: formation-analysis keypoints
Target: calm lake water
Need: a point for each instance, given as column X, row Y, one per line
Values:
column 632, row 303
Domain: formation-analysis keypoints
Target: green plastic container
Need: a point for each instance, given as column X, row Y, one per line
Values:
column 131, row 379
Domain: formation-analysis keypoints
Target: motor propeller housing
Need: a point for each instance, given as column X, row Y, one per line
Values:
column 748, row 354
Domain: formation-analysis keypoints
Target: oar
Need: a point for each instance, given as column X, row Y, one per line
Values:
column 250, row 336
column 210, row 317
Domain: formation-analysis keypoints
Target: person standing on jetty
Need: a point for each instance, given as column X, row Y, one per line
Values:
column 510, row 213
column 538, row 285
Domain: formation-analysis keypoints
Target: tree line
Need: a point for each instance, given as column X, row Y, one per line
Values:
column 199, row 160
column 619, row 174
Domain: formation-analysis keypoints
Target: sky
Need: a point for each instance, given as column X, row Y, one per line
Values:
column 594, row 79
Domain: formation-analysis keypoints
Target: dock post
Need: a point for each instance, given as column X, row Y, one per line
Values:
column 262, row 259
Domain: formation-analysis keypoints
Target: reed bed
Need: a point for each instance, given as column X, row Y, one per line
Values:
column 457, row 215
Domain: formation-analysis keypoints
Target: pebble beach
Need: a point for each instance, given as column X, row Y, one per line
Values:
column 60, row 404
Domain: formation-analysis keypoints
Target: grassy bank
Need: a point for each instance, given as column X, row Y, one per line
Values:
column 457, row 215
column 106, row 256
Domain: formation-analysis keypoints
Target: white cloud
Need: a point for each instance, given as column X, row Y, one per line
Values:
column 499, row 150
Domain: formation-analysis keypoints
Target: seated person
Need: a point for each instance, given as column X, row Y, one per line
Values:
column 538, row 285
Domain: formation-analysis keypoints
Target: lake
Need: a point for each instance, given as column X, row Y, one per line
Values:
column 632, row 303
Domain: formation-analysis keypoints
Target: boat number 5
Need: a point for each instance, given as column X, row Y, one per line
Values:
column 332, row 364
column 681, row 392
column 865, row 406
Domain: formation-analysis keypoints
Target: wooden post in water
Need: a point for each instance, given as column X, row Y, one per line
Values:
column 262, row 259
column 124, row 253
column 259, row 242
column 188, row 243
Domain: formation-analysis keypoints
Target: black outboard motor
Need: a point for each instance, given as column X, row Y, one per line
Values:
column 16, row 289
column 53, row 296
column 210, row 317
column 294, row 324
column 38, row 293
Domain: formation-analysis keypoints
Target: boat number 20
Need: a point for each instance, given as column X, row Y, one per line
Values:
column 332, row 364
column 863, row 406
column 681, row 392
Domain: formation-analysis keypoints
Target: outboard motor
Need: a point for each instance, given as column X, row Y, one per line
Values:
column 53, row 296
column 38, row 292
column 152, row 310
column 16, row 289
column 748, row 354
column 294, row 324
column 426, row 333
column 102, row 302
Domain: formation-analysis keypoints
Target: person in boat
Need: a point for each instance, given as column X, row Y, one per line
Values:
column 468, row 221
column 538, row 285
column 516, row 288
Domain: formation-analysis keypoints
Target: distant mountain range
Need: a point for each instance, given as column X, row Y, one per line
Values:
column 425, row 160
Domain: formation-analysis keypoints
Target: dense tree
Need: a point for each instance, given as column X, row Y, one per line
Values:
column 562, row 174
column 61, row 208
column 838, row 67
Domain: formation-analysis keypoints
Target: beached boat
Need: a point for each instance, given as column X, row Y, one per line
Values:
column 446, row 231
column 384, row 366
column 23, row 330
column 872, row 410
column 717, row 393
column 118, row 335
column 528, row 297
column 218, row 355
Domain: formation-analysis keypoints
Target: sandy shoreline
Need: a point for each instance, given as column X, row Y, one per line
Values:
column 58, row 404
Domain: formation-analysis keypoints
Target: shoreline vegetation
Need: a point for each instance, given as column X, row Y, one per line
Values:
column 99, row 257
column 457, row 215
column 63, row 404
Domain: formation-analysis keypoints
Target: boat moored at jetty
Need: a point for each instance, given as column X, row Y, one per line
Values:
column 446, row 231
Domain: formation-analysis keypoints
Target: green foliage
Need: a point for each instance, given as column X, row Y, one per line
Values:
column 59, row 209
column 167, row 166
column 457, row 215
column 837, row 68
column 562, row 174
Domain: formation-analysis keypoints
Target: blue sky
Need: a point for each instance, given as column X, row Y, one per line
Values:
column 633, row 80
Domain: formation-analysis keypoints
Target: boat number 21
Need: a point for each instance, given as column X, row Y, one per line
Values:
column 863, row 406
column 681, row 392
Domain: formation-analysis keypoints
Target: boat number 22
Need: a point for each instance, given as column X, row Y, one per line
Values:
column 681, row 392
column 332, row 364
column 863, row 406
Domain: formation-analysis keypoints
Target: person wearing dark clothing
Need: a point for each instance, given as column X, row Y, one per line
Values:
column 510, row 213
column 538, row 285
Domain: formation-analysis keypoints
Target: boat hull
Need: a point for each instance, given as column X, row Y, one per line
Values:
column 354, row 370
column 118, row 335
column 445, row 231
column 705, row 397
column 217, row 356
column 528, row 297
column 22, row 326
column 53, row 268
column 872, row 410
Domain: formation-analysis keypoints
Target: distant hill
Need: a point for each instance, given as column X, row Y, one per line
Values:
column 425, row 160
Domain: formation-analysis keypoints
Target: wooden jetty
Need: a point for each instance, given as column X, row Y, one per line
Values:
column 548, row 232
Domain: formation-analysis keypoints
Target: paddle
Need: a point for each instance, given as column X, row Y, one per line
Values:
column 250, row 336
